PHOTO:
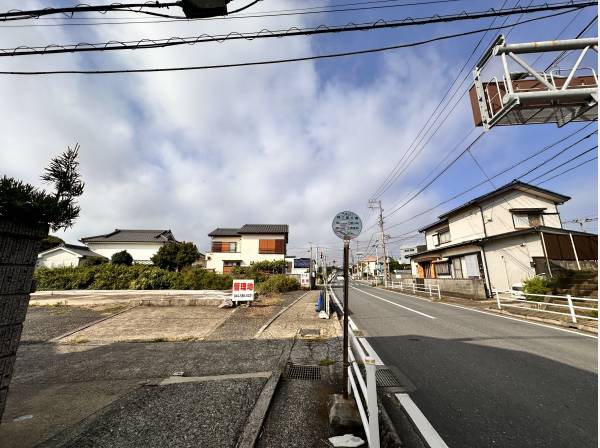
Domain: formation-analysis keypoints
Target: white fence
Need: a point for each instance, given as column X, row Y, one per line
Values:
column 363, row 388
column 432, row 290
column 574, row 307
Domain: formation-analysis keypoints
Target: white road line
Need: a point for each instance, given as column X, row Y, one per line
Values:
column 520, row 320
column 393, row 303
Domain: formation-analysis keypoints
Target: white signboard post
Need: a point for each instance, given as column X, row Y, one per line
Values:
column 305, row 280
column 347, row 226
column 243, row 291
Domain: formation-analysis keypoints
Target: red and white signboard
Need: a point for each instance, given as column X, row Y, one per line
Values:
column 243, row 291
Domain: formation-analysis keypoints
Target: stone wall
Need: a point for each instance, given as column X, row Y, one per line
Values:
column 19, row 246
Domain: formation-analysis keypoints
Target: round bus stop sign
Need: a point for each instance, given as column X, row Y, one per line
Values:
column 346, row 225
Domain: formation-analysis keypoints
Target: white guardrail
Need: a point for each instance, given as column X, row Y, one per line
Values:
column 432, row 290
column 567, row 305
column 363, row 388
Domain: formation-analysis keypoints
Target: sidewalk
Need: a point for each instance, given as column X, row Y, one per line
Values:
column 90, row 389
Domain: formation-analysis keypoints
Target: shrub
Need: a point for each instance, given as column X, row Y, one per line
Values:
column 278, row 283
column 196, row 278
column 155, row 278
column 537, row 285
column 122, row 257
column 176, row 256
column 93, row 261
column 50, row 242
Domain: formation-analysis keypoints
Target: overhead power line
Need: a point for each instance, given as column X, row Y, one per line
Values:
column 505, row 170
column 335, row 8
column 567, row 170
column 264, row 62
column 572, row 5
column 563, row 164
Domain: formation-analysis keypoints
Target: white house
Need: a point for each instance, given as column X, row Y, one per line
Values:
column 141, row 244
column 65, row 255
column 249, row 244
column 499, row 239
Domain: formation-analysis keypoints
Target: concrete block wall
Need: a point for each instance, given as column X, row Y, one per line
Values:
column 19, row 246
column 460, row 287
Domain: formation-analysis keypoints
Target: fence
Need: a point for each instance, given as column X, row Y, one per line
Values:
column 568, row 305
column 363, row 388
column 432, row 290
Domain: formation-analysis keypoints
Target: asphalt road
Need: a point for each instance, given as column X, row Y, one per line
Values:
column 483, row 380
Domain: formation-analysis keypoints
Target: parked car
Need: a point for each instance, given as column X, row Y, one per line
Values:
column 516, row 290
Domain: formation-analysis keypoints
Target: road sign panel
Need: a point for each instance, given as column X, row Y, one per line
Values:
column 346, row 225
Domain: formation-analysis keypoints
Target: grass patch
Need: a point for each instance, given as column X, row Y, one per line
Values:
column 80, row 341
column 327, row 362
column 112, row 309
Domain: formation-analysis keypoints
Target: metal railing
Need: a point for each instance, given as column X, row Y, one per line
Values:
column 432, row 290
column 362, row 387
column 566, row 305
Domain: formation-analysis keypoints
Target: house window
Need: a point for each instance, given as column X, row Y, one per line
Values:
column 526, row 220
column 229, row 266
column 457, row 268
column 442, row 268
column 442, row 237
column 271, row 246
column 223, row 246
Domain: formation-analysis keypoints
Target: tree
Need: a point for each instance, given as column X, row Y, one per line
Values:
column 122, row 257
column 394, row 265
column 175, row 256
column 22, row 202
column 49, row 242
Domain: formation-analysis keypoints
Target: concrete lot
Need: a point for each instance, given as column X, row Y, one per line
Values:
column 96, row 387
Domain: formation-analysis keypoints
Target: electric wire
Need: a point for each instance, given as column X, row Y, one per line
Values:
column 562, row 164
column 568, row 170
column 264, row 62
column 146, row 43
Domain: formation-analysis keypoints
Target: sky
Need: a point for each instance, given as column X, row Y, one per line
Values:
column 289, row 143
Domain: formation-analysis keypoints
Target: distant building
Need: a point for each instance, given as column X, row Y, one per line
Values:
column 406, row 253
column 232, row 247
column 141, row 244
column 297, row 266
column 66, row 255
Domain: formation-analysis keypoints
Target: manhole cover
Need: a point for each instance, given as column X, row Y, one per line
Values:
column 386, row 378
column 299, row 372
column 310, row 332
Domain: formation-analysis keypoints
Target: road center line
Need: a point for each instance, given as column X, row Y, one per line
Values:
column 393, row 303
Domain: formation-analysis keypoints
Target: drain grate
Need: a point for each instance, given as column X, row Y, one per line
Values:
column 300, row 372
column 386, row 378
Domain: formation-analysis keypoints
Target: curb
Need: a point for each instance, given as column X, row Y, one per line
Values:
column 272, row 319
column 257, row 416
column 558, row 323
column 83, row 327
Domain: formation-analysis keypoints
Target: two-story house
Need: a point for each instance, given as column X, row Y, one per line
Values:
column 232, row 247
column 502, row 237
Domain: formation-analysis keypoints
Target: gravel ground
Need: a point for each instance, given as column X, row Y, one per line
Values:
column 247, row 320
column 46, row 322
column 174, row 416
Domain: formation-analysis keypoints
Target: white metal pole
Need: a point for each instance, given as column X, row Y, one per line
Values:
column 498, row 300
column 575, row 251
column 439, row 293
column 413, row 288
column 571, row 309
column 372, row 403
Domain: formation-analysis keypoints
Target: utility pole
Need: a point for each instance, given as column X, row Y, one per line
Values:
column 377, row 204
column 310, row 268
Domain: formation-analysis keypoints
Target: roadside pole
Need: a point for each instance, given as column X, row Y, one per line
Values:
column 345, row 359
column 346, row 226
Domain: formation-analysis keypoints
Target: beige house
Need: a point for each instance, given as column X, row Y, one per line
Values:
column 232, row 247
column 499, row 239
column 141, row 244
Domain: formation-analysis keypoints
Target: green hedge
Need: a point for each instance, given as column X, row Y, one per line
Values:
column 110, row 276
column 278, row 283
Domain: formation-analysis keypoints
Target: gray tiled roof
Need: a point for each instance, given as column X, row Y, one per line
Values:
column 264, row 228
column 251, row 228
column 224, row 232
column 79, row 250
column 131, row 236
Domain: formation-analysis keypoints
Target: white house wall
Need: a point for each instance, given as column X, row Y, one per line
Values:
column 509, row 259
column 141, row 252
column 247, row 251
column 58, row 259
